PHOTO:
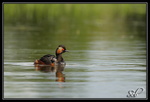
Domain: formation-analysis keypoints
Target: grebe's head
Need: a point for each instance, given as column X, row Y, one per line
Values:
column 61, row 49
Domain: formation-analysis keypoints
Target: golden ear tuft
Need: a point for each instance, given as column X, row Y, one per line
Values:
column 60, row 50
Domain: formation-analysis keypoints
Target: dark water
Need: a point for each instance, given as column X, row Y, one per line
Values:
column 107, row 58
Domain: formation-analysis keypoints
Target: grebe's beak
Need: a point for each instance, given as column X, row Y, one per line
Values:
column 66, row 50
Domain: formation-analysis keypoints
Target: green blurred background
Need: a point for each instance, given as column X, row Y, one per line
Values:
column 107, row 44
column 44, row 26
column 71, row 19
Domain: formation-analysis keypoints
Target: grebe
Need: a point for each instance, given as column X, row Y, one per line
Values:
column 51, row 59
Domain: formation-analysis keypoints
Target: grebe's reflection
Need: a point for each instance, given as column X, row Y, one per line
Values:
column 60, row 77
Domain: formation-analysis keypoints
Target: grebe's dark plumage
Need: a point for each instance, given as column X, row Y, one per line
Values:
column 48, row 59
column 51, row 59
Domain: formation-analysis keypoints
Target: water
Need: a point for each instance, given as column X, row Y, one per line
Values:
column 106, row 69
column 106, row 58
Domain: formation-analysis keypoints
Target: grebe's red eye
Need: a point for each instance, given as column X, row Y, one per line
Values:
column 63, row 49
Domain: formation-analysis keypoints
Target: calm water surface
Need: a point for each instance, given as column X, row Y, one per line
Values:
column 100, row 68
column 107, row 45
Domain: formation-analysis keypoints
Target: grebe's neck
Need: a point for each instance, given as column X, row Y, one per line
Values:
column 59, row 57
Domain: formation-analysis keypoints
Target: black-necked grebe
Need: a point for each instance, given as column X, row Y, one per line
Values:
column 51, row 59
